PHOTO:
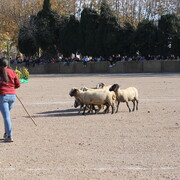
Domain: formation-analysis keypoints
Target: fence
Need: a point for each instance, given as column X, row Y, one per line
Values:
column 103, row 67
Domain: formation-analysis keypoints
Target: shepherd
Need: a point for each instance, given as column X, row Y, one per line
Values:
column 9, row 82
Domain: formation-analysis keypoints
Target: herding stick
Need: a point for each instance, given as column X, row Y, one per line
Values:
column 26, row 110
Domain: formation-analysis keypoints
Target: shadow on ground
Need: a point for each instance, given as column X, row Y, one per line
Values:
column 62, row 113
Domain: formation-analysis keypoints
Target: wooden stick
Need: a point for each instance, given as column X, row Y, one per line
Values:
column 26, row 110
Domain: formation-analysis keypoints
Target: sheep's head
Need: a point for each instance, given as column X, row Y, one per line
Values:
column 114, row 87
column 84, row 89
column 70, row 92
column 73, row 92
column 100, row 85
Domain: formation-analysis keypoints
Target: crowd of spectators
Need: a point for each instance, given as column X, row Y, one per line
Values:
column 112, row 59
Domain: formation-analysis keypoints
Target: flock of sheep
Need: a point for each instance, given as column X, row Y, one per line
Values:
column 100, row 97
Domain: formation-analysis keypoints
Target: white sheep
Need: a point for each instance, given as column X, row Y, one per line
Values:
column 102, row 86
column 92, row 107
column 125, row 95
column 95, row 97
column 78, row 102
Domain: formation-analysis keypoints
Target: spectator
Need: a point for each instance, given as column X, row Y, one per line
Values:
column 113, row 59
column 110, row 59
column 85, row 60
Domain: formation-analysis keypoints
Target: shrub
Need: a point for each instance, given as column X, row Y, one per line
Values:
column 22, row 73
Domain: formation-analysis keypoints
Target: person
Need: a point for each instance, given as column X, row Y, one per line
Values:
column 9, row 81
column 110, row 59
column 85, row 60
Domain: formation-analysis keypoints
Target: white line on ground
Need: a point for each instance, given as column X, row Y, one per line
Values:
column 136, row 168
column 162, row 99
column 71, row 102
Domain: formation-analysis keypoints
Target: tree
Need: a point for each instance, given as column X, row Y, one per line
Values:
column 47, row 23
column 27, row 43
column 107, row 32
column 175, row 44
column 146, row 37
column 88, row 26
column 126, row 40
column 14, row 13
column 68, row 41
column 3, row 41
column 63, row 21
column 169, row 31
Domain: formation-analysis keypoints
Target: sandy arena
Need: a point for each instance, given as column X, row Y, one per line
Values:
column 65, row 145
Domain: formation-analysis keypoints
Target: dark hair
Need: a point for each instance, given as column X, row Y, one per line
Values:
column 3, row 62
column 3, row 73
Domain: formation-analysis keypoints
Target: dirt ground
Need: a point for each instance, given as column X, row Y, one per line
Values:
column 65, row 145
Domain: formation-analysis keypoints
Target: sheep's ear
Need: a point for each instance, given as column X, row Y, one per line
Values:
column 116, row 86
column 75, row 91
column 102, row 84
column 111, row 88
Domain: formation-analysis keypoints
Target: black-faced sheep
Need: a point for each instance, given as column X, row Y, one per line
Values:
column 125, row 95
column 95, row 97
column 78, row 103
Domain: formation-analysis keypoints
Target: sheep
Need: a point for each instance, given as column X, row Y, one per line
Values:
column 78, row 102
column 91, row 107
column 98, row 86
column 96, row 97
column 129, row 94
column 102, row 86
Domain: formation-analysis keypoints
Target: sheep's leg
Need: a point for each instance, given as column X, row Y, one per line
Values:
column 99, row 107
column 117, row 106
column 133, row 105
column 90, row 108
column 84, row 110
column 112, row 106
column 93, row 108
column 80, row 109
column 107, row 108
column 137, row 102
column 97, row 110
column 128, row 106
